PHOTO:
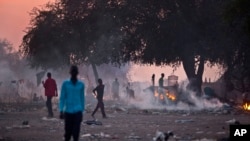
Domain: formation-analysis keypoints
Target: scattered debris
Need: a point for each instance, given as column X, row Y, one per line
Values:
column 85, row 135
column 96, row 136
column 161, row 136
column 49, row 119
column 25, row 122
column 24, row 125
column 221, row 133
column 93, row 122
column 18, row 126
column 118, row 108
column 120, row 123
column 184, row 121
column 132, row 137
column 233, row 121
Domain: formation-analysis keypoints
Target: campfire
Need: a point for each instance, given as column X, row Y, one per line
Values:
column 171, row 96
column 168, row 95
column 157, row 95
column 246, row 106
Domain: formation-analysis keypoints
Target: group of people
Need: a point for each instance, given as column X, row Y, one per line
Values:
column 115, row 90
column 161, row 89
column 72, row 101
column 161, row 80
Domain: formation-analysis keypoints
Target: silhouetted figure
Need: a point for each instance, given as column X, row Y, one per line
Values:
column 161, row 81
column 98, row 92
column 130, row 93
column 72, row 105
column 161, row 88
column 50, row 91
column 152, row 88
column 115, row 89
column 153, row 80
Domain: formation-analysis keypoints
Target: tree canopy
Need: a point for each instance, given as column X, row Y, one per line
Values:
column 72, row 32
column 174, row 32
column 162, row 32
column 237, row 16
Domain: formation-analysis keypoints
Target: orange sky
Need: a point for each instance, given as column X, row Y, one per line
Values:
column 14, row 16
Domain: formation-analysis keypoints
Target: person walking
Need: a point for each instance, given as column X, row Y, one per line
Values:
column 72, row 104
column 50, row 91
column 98, row 92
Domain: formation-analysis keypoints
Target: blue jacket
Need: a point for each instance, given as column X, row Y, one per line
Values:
column 72, row 97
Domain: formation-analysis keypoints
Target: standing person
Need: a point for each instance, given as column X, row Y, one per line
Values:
column 130, row 92
column 115, row 89
column 161, row 80
column 72, row 104
column 153, row 83
column 50, row 92
column 98, row 91
column 161, row 88
column 153, row 80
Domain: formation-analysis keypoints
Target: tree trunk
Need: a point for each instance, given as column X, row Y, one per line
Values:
column 95, row 73
column 194, row 74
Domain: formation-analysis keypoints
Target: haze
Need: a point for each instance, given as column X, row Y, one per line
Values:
column 14, row 15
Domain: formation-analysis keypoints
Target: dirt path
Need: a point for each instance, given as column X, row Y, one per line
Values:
column 121, row 124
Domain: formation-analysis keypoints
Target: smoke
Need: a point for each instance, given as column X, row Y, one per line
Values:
column 186, row 100
column 21, row 81
column 14, row 82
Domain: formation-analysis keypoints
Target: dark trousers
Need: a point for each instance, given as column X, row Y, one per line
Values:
column 99, row 105
column 49, row 106
column 72, row 125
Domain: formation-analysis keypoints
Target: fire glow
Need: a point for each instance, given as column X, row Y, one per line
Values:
column 171, row 96
column 156, row 94
column 168, row 95
column 246, row 106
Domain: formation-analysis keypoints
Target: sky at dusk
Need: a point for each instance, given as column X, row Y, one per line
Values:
column 15, row 18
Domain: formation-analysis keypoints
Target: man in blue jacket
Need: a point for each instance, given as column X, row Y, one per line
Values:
column 72, row 104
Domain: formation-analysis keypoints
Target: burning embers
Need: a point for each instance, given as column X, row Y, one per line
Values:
column 161, row 95
column 246, row 101
column 246, row 106
column 171, row 96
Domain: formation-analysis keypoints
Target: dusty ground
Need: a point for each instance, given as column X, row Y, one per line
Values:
column 123, row 124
